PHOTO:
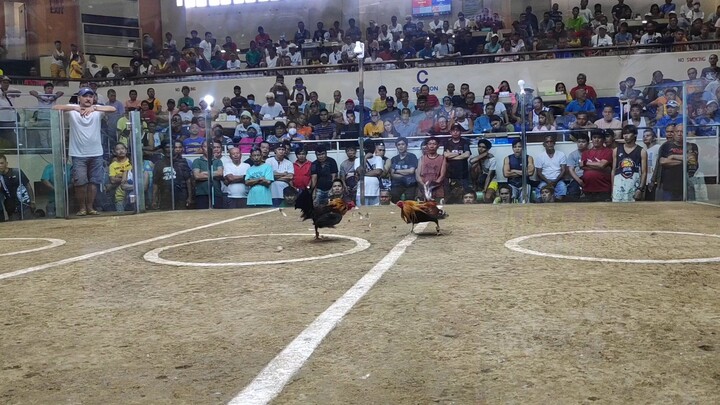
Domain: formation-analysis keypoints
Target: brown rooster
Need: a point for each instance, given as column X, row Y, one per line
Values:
column 414, row 212
column 326, row 216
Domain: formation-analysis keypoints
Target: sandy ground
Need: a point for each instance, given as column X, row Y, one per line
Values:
column 459, row 319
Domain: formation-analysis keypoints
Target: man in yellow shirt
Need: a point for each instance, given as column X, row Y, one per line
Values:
column 379, row 103
column 374, row 128
column 116, row 170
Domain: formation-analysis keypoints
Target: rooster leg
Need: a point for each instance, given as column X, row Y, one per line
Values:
column 412, row 228
column 437, row 228
column 317, row 233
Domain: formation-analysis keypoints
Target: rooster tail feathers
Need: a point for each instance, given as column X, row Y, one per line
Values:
column 304, row 202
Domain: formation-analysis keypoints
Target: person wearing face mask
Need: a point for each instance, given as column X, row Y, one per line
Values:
column 252, row 106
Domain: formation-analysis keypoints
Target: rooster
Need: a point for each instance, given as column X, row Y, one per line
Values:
column 326, row 216
column 414, row 212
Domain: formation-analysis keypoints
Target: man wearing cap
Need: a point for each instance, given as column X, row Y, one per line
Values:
column 672, row 117
column 601, row 38
column 670, row 94
column 86, row 147
column 391, row 112
column 494, row 45
column 335, row 55
column 8, row 115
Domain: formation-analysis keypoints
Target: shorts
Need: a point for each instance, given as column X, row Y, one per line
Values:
column 624, row 189
column 57, row 70
column 87, row 170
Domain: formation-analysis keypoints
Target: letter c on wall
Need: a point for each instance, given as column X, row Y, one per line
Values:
column 422, row 76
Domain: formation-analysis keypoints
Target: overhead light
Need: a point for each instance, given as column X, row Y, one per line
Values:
column 209, row 100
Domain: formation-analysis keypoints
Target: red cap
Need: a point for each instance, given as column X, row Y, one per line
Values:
column 349, row 101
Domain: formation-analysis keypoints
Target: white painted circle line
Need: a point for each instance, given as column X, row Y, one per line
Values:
column 53, row 244
column 514, row 244
column 153, row 256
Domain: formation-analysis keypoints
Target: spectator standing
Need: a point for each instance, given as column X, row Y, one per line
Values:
column 86, row 147
column 596, row 168
column 323, row 171
column 18, row 195
column 629, row 168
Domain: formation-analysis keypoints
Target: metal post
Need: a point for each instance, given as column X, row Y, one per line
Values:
column 59, row 162
column 684, row 144
column 209, row 147
column 137, row 161
column 523, row 136
column 361, row 132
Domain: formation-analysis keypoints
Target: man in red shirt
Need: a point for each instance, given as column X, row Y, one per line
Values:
column 301, row 167
column 589, row 90
column 596, row 165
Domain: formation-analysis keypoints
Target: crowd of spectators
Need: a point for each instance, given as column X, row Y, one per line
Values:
column 445, row 126
column 579, row 32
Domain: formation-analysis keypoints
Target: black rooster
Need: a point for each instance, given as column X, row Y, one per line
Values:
column 326, row 216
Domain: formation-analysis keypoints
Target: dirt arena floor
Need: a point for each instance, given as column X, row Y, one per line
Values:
column 458, row 319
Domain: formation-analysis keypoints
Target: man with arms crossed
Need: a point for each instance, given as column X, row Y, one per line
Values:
column 86, row 147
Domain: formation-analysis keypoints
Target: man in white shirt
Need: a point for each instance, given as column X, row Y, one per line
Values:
column 435, row 23
column 234, row 170
column 271, row 109
column 601, row 38
column 550, row 167
column 283, row 173
column 8, row 115
column 206, row 45
column 372, row 170
column 336, row 54
column 295, row 56
column 86, row 147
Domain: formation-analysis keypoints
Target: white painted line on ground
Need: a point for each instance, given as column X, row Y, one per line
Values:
column 273, row 378
column 716, row 205
column 53, row 243
column 153, row 256
column 514, row 244
column 123, row 247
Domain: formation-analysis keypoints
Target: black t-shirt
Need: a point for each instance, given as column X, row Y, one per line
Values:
column 14, row 194
column 403, row 163
column 238, row 103
column 457, row 169
column 672, row 176
column 164, row 176
column 324, row 173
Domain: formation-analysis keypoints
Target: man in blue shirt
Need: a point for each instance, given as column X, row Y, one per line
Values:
column 673, row 116
column 580, row 104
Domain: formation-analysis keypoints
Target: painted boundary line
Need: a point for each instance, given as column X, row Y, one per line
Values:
column 273, row 378
column 129, row 245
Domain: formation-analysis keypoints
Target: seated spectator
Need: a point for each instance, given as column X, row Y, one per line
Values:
column 580, row 104
column 483, row 124
column 506, row 50
column 551, row 165
column 492, row 46
column 672, row 116
column 194, row 142
column 513, row 170
column 483, row 172
column 546, row 122
column 271, row 109
column 573, row 176
column 389, row 130
column 660, row 103
column 590, row 92
column 608, row 120
column 601, row 38
column 504, row 195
